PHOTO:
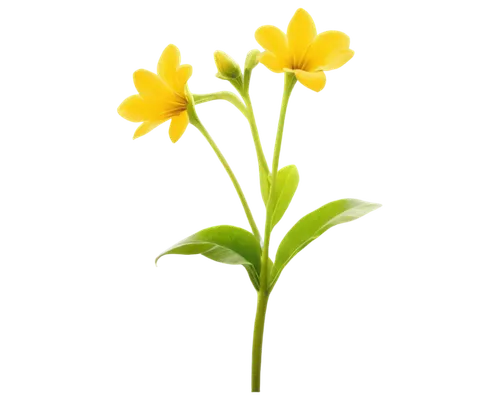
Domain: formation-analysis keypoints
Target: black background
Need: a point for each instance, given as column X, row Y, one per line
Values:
column 340, row 324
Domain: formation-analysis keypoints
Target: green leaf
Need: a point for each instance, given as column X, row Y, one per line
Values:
column 225, row 244
column 264, row 183
column 313, row 225
column 286, row 185
column 252, row 276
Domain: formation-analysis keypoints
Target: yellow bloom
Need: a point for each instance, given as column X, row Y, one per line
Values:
column 161, row 97
column 302, row 51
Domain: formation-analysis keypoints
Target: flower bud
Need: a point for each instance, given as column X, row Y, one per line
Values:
column 227, row 67
column 252, row 60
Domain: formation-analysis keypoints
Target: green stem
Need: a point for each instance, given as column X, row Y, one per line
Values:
column 288, row 86
column 229, row 171
column 263, row 295
column 258, row 336
column 290, row 81
column 228, row 96
column 260, row 150
column 247, row 112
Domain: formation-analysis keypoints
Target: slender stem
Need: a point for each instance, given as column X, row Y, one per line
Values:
column 258, row 336
column 246, row 111
column 228, row 96
column 263, row 295
column 259, row 148
column 288, row 86
column 290, row 81
column 229, row 171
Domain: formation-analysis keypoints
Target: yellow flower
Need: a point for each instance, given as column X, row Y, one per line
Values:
column 302, row 51
column 161, row 97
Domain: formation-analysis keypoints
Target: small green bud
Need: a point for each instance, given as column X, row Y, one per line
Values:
column 252, row 60
column 227, row 67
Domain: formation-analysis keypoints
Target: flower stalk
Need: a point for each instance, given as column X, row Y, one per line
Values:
column 288, row 87
column 195, row 121
column 223, row 95
column 264, row 291
column 247, row 110
column 255, row 134
column 290, row 81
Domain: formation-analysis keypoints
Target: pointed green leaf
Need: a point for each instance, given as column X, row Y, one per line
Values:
column 313, row 225
column 286, row 185
column 225, row 244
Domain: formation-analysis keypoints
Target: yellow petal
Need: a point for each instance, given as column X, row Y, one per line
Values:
column 273, row 40
column 313, row 80
column 272, row 62
column 150, row 86
column 184, row 72
column 300, row 33
column 178, row 126
column 168, row 64
column 146, row 127
column 134, row 109
column 338, row 59
column 324, row 47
